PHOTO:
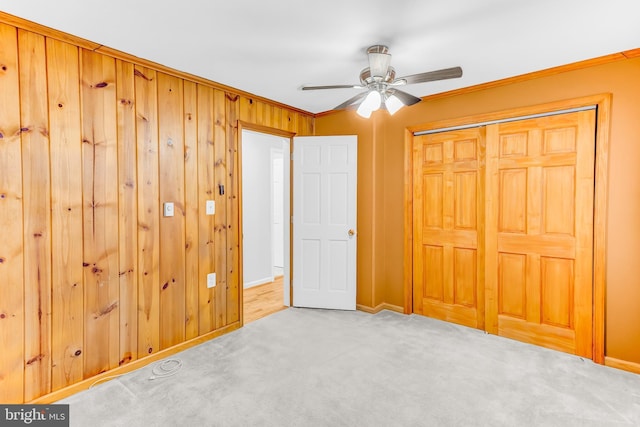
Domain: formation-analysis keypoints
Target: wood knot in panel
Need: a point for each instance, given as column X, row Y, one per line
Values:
column 126, row 359
column 35, row 359
column 138, row 73
column 106, row 310
column 129, row 271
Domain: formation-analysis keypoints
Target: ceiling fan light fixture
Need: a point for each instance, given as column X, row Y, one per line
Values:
column 370, row 104
column 364, row 112
column 393, row 104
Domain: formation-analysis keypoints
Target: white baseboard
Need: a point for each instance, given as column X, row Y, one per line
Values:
column 258, row 282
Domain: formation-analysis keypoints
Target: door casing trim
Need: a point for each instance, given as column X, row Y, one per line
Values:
column 242, row 125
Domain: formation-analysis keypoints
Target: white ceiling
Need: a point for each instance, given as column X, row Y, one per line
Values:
column 271, row 48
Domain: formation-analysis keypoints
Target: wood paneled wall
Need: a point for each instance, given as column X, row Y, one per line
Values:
column 92, row 276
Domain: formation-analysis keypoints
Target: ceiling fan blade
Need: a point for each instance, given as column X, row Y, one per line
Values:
column 331, row 87
column 406, row 98
column 351, row 101
column 430, row 76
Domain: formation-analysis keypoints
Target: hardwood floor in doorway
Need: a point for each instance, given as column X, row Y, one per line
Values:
column 263, row 300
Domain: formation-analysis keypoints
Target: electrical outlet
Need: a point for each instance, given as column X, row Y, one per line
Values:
column 168, row 209
column 211, row 280
column 210, row 207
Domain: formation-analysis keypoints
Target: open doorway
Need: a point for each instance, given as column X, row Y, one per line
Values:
column 265, row 223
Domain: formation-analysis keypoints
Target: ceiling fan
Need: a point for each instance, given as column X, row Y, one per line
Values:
column 379, row 78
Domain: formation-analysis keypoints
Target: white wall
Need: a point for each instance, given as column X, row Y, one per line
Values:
column 277, row 207
column 257, row 206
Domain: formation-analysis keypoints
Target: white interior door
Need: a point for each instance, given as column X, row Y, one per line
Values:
column 324, row 222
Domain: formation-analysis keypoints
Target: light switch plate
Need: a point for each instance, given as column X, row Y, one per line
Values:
column 211, row 280
column 210, row 207
column 168, row 209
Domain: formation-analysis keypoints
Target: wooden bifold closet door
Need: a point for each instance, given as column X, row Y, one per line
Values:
column 447, row 223
column 512, row 253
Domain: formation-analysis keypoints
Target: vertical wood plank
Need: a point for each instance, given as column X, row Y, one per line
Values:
column 127, row 212
column 492, row 184
column 294, row 116
column 67, row 308
column 100, row 199
column 172, row 231
column 233, row 238
column 480, row 227
column 287, row 120
column 148, row 211
column 276, row 117
column 247, row 109
column 206, row 226
column 268, row 115
column 11, row 250
column 221, row 224
column 37, row 214
column 192, row 284
column 261, row 108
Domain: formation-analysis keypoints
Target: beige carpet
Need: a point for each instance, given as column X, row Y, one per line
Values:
column 302, row 367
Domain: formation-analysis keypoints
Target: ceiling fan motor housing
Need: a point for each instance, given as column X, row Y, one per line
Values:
column 379, row 61
column 366, row 79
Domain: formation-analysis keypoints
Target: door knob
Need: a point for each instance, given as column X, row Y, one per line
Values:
column 351, row 233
